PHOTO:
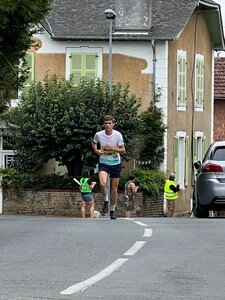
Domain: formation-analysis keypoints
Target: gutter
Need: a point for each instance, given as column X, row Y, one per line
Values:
column 106, row 38
column 153, row 43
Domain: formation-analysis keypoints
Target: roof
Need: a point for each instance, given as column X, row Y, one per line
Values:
column 219, row 78
column 85, row 19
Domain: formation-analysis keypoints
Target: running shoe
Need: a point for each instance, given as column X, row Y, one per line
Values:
column 105, row 207
column 112, row 215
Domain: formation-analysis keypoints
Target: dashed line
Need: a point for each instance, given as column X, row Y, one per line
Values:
column 135, row 248
column 140, row 223
column 83, row 285
column 148, row 232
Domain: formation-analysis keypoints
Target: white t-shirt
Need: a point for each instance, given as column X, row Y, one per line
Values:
column 115, row 139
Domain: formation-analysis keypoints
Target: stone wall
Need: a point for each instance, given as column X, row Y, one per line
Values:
column 68, row 203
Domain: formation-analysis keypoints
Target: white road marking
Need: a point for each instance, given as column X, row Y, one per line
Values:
column 148, row 232
column 83, row 285
column 140, row 223
column 135, row 248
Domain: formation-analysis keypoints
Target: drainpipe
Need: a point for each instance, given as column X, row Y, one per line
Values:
column 153, row 43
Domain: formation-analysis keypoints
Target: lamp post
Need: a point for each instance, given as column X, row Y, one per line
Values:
column 110, row 15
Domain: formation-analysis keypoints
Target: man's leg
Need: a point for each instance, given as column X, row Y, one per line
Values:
column 103, row 186
column 113, row 200
column 170, row 207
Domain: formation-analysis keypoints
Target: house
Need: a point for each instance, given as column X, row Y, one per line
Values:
column 165, row 44
column 219, row 99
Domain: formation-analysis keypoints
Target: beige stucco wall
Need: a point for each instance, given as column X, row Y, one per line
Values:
column 127, row 69
column 49, row 63
column 189, row 119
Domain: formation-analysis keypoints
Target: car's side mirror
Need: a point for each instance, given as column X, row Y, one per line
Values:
column 197, row 165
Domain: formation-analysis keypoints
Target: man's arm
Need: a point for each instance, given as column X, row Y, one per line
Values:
column 96, row 151
column 121, row 149
column 175, row 188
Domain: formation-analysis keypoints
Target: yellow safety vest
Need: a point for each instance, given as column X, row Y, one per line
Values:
column 169, row 194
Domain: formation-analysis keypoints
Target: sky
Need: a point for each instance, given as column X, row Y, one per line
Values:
column 222, row 6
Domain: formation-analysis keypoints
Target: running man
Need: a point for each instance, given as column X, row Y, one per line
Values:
column 111, row 146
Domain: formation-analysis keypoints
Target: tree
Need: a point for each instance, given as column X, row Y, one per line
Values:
column 152, row 137
column 17, row 21
column 58, row 120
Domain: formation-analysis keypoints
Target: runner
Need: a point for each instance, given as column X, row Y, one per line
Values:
column 111, row 146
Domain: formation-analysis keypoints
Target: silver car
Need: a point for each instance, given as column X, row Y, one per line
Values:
column 209, row 189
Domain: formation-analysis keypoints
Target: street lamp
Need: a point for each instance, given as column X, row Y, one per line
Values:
column 110, row 15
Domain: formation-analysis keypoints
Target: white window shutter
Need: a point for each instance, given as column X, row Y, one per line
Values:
column 186, row 179
column 176, row 156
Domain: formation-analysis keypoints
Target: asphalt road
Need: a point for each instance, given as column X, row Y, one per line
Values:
column 142, row 258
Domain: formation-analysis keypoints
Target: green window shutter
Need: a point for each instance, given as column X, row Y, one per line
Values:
column 181, row 80
column 76, row 67
column 199, row 81
column 195, row 149
column 186, row 179
column 83, row 64
column 203, row 146
column 29, row 58
column 30, row 66
column 195, row 156
column 176, row 156
column 90, row 65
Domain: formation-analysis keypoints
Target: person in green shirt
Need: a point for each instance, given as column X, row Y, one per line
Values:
column 86, row 186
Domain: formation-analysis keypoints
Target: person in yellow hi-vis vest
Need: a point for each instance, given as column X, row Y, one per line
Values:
column 171, row 190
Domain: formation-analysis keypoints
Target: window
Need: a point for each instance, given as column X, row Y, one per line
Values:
column 181, row 158
column 199, row 82
column 83, row 62
column 219, row 154
column 30, row 71
column 181, row 80
column 198, row 149
column 198, row 146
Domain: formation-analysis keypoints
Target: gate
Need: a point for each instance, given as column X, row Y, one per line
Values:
column 6, row 161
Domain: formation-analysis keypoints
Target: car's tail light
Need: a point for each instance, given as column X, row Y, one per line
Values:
column 212, row 168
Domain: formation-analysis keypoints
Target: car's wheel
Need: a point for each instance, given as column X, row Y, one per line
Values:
column 201, row 211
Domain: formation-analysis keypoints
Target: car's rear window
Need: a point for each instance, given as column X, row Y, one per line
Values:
column 219, row 154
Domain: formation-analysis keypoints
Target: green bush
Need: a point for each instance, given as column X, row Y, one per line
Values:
column 151, row 182
column 16, row 181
